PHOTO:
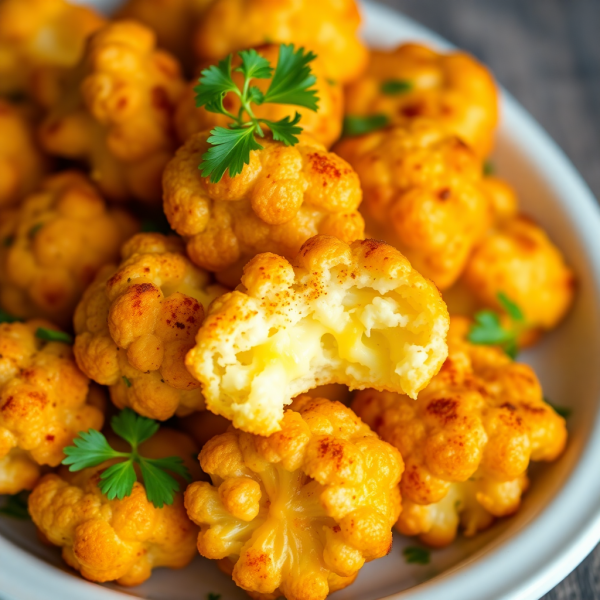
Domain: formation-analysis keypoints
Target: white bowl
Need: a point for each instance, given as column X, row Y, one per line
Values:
column 519, row 558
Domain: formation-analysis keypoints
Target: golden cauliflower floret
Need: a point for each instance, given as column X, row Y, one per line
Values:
column 357, row 315
column 327, row 27
column 137, row 321
column 53, row 245
column 415, row 81
column 43, row 404
column 114, row 111
column 422, row 194
column 122, row 540
column 467, row 440
column 38, row 34
column 502, row 197
column 297, row 513
column 282, row 198
column 324, row 125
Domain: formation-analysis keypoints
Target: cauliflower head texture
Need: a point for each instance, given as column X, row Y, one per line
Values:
column 422, row 194
column 282, row 198
column 299, row 512
column 137, row 321
column 114, row 111
column 467, row 440
column 415, row 81
column 357, row 315
column 43, row 404
column 116, row 540
column 53, row 245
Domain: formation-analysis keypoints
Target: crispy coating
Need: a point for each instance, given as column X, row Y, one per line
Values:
column 468, row 439
column 324, row 125
column 357, row 315
column 327, row 27
column 283, row 197
column 137, row 321
column 53, row 245
column 43, row 404
column 114, row 111
column 116, row 540
column 37, row 34
column 450, row 88
column 422, row 194
column 298, row 513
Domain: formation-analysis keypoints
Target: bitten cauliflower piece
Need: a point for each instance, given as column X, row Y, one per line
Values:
column 283, row 197
column 327, row 27
column 114, row 111
column 137, row 321
column 43, row 404
column 122, row 540
column 297, row 513
column 422, row 194
column 468, row 439
column 324, row 125
column 38, row 34
column 53, row 245
column 357, row 315
column 415, row 81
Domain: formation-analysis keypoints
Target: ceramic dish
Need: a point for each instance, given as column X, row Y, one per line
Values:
column 559, row 523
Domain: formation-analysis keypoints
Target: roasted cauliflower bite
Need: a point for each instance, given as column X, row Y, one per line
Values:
column 53, row 245
column 283, row 197
column 137, row 321
column 452, row 89
column 468, row 439
column 327, row 27
column 502, row 197
column 122, row 540
column 357, row 315
column 324, row 125
column 422, row 194
column 38, row 34
column 114, row 111
column 43, row 404
column 297, row 513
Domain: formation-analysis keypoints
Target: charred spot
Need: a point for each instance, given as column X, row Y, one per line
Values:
column 336, row 529
column 443, row 408
column 412, row 110
column 332, row 449
column 160, row 99
column 444, row 193
column 139, row 289
column 50, row 438
column 179, row 325
column 322, row 164
column 509, row 406
column 146, row 269
column 536, row 410
column 371, row 246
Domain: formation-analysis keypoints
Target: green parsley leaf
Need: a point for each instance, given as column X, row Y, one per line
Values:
column 354, row 125
column 16, row 507
column 254, row 66
column 8, row 318
column 561, row 411
column 133, row 428
column 90, row 448
column 50, row 335
column 417, row 555
column 126, row 381
column 488, row 168
column 394, row 87
column 215, row 83
column 285, row 130
column 513, row 311
column 117, row 481
column 160, row 486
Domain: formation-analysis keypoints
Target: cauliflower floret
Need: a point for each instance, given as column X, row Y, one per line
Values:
column 415, row 81
column 422, row 194
column 122, row 540
column 282, row 198
column 327, row 27
column 468, row 439
column 297, row 513
column 502, row 197
column 324, row 125
column 137, row 321
column 357, row 315
column 38, row 34
column 114, row 111
column 43, row 404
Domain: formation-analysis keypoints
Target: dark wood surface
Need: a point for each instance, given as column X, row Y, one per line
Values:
column 547, row 54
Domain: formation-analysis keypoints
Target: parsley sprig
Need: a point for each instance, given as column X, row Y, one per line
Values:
column 291, row 83
column 417, row 555
column 91, row 448
column 16, row 507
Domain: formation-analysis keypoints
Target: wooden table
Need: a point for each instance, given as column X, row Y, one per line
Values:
column 547, row 54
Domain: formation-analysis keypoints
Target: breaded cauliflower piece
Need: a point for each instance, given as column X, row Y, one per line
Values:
column 422, row 194
column 298, row 513
column 53, row 245
column 357, row 315
column 415, row 81
column 327, row 27
column 468, row 439
column 43, row 404
column 137, row 321
column 122, row 540
column 282, row 198
column 38, row 34
column 114, row 111
column 324, row 125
